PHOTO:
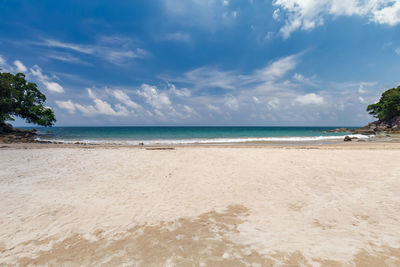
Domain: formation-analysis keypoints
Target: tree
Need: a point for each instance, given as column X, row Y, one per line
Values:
column 23, row 99
column 388, row 106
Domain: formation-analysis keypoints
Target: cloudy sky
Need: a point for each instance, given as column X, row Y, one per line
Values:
column 205, row 62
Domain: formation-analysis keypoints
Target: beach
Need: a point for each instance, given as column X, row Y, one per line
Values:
column 231, row 205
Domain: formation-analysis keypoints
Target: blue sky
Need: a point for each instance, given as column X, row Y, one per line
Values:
column 205, row 62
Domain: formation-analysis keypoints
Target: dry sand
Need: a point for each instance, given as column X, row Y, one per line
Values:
column 337, row 205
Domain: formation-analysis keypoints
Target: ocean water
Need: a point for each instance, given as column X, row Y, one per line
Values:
column 189, row 135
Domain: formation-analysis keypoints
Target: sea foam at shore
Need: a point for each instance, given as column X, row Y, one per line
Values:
column 191, row 135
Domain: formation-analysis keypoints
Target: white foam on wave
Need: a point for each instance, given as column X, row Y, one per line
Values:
column 211, row 140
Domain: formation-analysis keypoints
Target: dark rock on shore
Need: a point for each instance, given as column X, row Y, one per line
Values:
column 10, row 135
column 390, row 127
column 347, row 138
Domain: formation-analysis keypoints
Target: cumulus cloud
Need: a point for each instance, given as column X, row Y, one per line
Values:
column 310, row 99
column 67, row 105
column 20, row 66
column 52, row 86
column 103, row 107
column 274, row 93
column 154, row 97
column 184, row 92
column 99, row 107
column 308, row 14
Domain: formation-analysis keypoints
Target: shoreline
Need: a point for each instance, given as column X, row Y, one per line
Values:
column 370, row 144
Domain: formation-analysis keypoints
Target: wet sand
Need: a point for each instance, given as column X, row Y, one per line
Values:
column 327, row 205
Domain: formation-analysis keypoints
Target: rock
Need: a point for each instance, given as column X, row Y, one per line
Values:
column 392, row 126
column 338, row 130
column 141, row 144
column 10, row 135
column 347, row 138
column 364, row 131
column 6, row 127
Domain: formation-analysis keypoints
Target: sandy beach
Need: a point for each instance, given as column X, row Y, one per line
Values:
column 333, row 205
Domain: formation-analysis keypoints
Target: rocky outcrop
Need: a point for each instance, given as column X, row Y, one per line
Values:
column 338, row 130
column 8, row 134
column 389, row 127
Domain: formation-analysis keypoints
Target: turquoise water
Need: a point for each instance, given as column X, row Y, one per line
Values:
column 187, row 135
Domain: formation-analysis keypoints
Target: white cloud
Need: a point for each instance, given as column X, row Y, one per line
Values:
column 308, row 14
column 153, row 97
column 397, row 51
column 276, row 14
column 300, row 78
column 232, row 103
column 256, row 100
column 310, row 99
column 278, row 68
column 273, row 103
column 2, row 60
column 213, row 108
column 208, row 77
column 20, row 66
column 118, row 57
column 116, row 50
column 103, row 107
column 184, row 92
column 189, row 111
column 100, row 107
column 36, row 71
column 74, row 47
column 67, row 105
column 125, row 99
column 361, row 89
column 211, row 77
column 53, row 87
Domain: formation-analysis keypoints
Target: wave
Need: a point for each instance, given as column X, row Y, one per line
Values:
column 209, row 140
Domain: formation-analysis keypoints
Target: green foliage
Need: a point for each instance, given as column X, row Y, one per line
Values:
column 23, row 99
column 388, row 106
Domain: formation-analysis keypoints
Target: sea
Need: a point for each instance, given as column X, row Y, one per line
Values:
column 191, row 135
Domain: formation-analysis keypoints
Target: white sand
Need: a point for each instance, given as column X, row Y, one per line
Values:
column 312, row 207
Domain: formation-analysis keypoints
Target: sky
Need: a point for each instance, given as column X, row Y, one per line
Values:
column 204, row 62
